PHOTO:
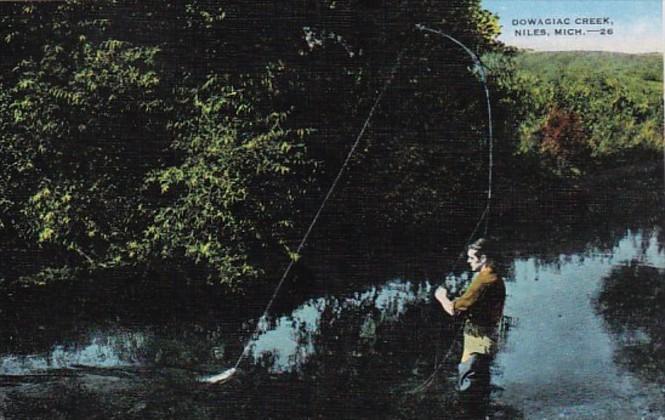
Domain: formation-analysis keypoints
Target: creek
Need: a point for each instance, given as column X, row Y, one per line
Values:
column 584, row 339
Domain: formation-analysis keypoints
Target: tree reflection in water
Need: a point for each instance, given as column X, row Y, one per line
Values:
column 632, row 304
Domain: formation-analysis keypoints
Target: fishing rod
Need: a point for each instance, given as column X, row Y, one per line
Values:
column 229, row 373
column 439, row 363
column 490, row 131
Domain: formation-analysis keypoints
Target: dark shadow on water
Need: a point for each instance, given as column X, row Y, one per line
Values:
column 632, row 304
column 365, row 361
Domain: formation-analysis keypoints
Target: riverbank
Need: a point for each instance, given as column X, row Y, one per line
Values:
column 339, row 245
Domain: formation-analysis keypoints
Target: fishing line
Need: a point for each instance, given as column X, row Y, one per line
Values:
column 490, row 131
column 226, row 375
column 438, row 364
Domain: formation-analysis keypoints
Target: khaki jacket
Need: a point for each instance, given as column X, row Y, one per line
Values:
column 482, row 302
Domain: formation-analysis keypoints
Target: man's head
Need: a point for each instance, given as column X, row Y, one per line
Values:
column 479, row 254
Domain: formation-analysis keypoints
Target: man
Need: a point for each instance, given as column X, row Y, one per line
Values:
column 482, row 303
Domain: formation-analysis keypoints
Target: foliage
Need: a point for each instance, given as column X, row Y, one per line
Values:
column 75, row 124
column 182, row 137
column 233, row 191
column 563, row 139
column 615, row 99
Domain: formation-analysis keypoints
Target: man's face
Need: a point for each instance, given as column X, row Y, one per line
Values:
column 475, row 261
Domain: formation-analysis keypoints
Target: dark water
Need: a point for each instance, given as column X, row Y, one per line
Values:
column 585, row 341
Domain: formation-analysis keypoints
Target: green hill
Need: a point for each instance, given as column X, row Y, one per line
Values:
column 551, row 65
column 591, row 109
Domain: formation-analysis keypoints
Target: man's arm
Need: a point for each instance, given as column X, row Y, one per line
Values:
column 468, row 298
column 473, row 292
column 442, row 296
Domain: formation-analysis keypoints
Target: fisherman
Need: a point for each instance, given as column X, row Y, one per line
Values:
column 482, row 304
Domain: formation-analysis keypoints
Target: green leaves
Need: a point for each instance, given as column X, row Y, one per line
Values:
column 605, row 96
column 231, row 191
column 174, row 139
column 76, row 116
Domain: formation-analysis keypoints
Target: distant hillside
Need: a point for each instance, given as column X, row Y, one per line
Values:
column 589, row 110
column 552, row 65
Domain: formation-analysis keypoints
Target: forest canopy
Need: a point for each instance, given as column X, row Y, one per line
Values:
column 183, row 135
column 591, row 110
column 197, row 138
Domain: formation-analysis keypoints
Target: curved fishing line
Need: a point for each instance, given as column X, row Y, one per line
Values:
column 438, row 364
column 490, row 131
column 226, row 375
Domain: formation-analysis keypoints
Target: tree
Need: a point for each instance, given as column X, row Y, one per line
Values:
column 185, row 136
column 563, row 139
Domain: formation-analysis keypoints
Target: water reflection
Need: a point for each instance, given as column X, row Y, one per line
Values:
column 290, row 339
column 560, row 360
column 579, row 347
column 120, row 349
column 283, row 344
column 632, row 304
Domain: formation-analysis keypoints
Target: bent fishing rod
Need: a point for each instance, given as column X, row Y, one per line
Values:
column 229, row 373
column 439, row 363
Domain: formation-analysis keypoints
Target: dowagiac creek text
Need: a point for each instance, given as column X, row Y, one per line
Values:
column 562, row 26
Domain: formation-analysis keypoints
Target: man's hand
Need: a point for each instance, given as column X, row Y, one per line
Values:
column 441, row 295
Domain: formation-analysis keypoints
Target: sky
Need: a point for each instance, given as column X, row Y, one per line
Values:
column 636, row 25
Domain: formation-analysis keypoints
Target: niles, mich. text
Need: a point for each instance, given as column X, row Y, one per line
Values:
column 562, row 26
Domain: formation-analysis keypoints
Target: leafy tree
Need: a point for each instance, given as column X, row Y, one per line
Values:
column 611, row 98
column 232, row 194
column 75, row 127
column 186, row 136
column 563, row 139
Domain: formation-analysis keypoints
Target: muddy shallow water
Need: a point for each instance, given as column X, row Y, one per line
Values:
column 583, row 340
